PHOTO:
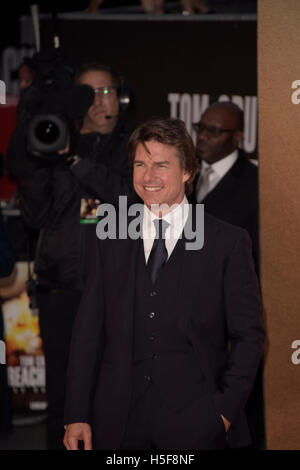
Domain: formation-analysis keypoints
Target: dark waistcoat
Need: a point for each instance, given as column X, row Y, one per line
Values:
column 162, row 355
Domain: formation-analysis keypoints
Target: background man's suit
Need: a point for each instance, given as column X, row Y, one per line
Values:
column 201, row 299
column 235, row 199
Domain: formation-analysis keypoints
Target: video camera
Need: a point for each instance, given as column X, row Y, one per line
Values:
column 49, row 106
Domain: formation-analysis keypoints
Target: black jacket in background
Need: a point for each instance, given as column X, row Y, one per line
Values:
column 235, row 200
column 50, row 201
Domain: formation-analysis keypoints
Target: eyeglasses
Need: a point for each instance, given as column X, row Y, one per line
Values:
column 104, row 91
column 210, row 130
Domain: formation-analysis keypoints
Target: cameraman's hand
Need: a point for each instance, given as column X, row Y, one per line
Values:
column 72, row 161
column 78, row 432
column 65, row 150
column 60, row 152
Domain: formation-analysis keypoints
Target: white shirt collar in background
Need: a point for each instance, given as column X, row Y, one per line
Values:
column 220, row 168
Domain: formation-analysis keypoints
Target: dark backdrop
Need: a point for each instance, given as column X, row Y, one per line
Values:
column 197, row 60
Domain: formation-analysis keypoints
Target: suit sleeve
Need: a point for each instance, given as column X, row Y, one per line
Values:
column 244, row 318
column 86, row 346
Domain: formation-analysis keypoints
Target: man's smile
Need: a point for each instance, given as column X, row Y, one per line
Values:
column 152, row 188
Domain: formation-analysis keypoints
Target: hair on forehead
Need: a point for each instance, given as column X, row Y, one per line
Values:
column 146, row 148
column 97, row 67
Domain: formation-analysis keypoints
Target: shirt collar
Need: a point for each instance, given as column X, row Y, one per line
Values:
column 175, row 218
column 221, row 167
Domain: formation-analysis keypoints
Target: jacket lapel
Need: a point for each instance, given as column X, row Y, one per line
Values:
column 227, row 186
column 193, row 269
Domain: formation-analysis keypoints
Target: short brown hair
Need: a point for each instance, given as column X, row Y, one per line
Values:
column 98, row 67
column 172, row 132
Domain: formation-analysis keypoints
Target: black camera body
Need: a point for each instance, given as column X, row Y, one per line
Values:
column 49, row 106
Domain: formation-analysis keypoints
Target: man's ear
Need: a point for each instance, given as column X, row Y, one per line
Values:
column 238, row 137
column 186, row 176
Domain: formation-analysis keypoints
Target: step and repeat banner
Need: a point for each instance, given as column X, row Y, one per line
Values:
column 279, row 146
column 174, row 68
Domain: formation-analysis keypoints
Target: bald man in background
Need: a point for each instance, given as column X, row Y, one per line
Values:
column 228, row 182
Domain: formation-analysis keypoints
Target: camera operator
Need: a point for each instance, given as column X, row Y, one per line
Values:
column 50, row 193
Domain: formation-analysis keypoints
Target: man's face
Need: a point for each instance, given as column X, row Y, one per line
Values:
column 104, row 104
column 158, row 176
column 25, row 77
column 213, row 146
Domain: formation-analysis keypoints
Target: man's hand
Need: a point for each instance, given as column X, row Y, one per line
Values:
column 78, row 432
column 226, row 423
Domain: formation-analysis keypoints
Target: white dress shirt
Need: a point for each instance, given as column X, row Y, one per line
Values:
column 219, row 168
column 176, row 219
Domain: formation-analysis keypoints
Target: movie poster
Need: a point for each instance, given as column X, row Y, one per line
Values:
column 24, row 353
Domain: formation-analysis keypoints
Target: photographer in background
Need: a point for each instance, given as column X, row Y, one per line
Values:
column 93, row 165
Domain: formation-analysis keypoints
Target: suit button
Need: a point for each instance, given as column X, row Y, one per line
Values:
column 151, row 315
column 147, row 378
column 152, row 337
column 153, row 356
column 153, row 293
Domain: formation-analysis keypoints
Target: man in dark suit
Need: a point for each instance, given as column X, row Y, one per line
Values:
column 228, row 187
column 169, row 332
column 228, row 182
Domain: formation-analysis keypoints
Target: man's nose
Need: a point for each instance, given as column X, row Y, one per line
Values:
column 98, row 98
column 149, row 174
column 202, row 135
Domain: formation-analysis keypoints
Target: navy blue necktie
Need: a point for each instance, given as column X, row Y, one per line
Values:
column 159, row 253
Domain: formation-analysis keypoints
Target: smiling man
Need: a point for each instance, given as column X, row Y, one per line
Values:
column 158, row 175
column 150, row 363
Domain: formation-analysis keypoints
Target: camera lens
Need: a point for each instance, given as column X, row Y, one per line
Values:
column 47, row 132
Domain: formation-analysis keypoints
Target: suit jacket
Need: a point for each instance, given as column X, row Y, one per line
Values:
column 235, row 199
column 218, row 300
